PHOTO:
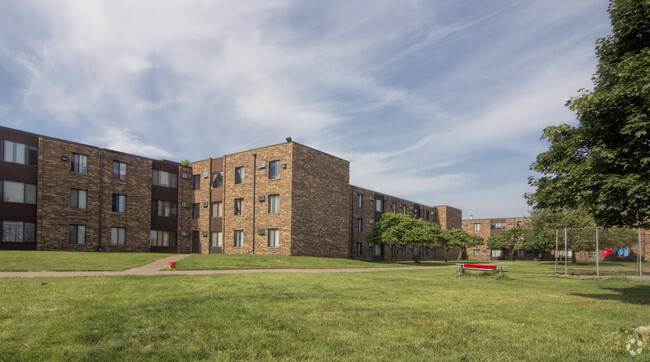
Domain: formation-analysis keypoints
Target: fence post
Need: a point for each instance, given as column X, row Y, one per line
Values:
column 566, row 254
column 597, row 252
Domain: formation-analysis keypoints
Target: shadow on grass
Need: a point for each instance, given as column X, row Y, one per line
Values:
column 638, row 294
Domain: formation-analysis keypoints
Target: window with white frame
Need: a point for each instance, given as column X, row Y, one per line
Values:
column 18, row 231
column 274, row 238
column 78, row 234
column 274, row 170
column 359, row 224
column 118, row 235
column 16, row 152
column 359, row 200
column 79, row 163
column 18, row 192
column 404, row 209
column 119, row 170
column 477, row 226
column 393, row 208
column 379, row 205
column 119, row 203
column 164, row 179
column 217, row 209
column 239, row 239
column 477, row 252
column 274, row 204
column 498, row 253
column 239, row 175
column 78, row 199
column 498, row 225
column 216, row 239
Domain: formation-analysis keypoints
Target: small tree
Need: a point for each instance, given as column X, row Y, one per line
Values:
column 508, row 240
column 462, row 240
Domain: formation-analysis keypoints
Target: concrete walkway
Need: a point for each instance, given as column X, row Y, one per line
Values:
column 155, row 269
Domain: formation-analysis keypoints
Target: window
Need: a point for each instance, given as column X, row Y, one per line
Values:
column 477, row 226
column 118, row 235
column 119, row 170
column 274, row 204
column 18, row 232
column 196, row 182
column 239, row 175
column 217, row 209
column 274, row 238
column 426, row 215
column 164, row 208
column 239, row 238
column 164, row 179
column 162, row 238
column 393, row 208
column 521, row 253
column 18, row 153
column 79, row 163
column 498, row 225
column 217, row 179
column 18, row 192
column 359, row 225
column 403, row 250
column 404, row 209
column 216, row 239
column 78, row 234
column 239, row 203
column 78, row 199
column 274, row 170
column 119, row 203
column 359, row 249
column 379, row 205
column 196, row 210
column 377, row 249
column 359, row 200
column 477, row 253
column 416, row 213
column 497, row 253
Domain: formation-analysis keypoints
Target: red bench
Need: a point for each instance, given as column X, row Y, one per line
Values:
column 462, row 267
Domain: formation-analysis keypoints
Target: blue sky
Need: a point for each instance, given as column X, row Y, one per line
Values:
column 439, row 102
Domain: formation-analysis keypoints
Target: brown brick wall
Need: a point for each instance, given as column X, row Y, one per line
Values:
column 486, row 231
column 320, row 217
column 234, row 191
column 201, row 197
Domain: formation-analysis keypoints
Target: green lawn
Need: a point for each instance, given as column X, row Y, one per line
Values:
column 392, row 315
column 248, row 261
column 11, row 260
column 582, row 268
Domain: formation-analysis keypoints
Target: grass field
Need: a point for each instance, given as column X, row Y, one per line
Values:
column 581, row 268
column 11, row 260
column 392, row 315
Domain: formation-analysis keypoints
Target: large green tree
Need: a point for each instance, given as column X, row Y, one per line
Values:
column 508, row 240
column 397, row 230
column 603, row 164
column 462, row 240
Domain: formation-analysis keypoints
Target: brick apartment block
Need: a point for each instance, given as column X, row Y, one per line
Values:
column 284, row 199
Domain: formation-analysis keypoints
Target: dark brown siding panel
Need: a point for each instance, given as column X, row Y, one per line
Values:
column 18, row 136
column 164, row 223
column 167, row 166
column 19, row 173
column 164, row 193
column 17, row 212
column 17, row 246
column 162, row 249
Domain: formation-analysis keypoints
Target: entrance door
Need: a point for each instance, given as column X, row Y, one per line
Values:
column 196, row 243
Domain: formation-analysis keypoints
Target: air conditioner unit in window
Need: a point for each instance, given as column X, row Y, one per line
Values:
column 204, row 233
column 260, row 231
column 204, row 203
column 284, row 166
column 261, row 198
column 371, row 221
column 185, row 204
column 187, row 176
column 372, row 198
column 261, row 164
column 185, row 233
column 205, row 174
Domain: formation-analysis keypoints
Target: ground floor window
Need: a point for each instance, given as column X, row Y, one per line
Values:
column 162, row 238
column 239, row 239
column 118, row 236
column 497, row 253
column 274, row 238
column 359, row 249
column 18, row 231
column 216, row 239
column 377, row 249
column 477, row 253
column 521, row 253
column 78, row 234
column 403, row 250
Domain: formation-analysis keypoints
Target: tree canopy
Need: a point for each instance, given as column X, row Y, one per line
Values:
column 396, row 230
column 603, row 164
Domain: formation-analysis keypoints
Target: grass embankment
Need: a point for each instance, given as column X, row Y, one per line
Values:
column 393, row 315
column 248, row 261
column 33, row 260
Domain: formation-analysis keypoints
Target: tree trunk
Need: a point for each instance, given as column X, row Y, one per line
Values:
column 446, row 251
column 460, row 253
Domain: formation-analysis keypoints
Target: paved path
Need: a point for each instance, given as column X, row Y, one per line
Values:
column 155, row 269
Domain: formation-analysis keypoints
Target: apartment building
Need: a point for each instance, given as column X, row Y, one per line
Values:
column 285, row 199
column 489, row 227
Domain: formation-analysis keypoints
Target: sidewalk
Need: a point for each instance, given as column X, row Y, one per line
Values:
column 155, row 269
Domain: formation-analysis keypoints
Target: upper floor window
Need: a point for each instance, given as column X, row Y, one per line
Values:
column 416, row 213
column 119, row 170
column 196, row 182
column 164, row 178
column 393, row 208
column 239, row 204
column 498, row 225
column 18, row 231
column 274, row 204
column 79, row 163
column 164, row 208
column 274, row 169
column 18, row 153
column 359, row 200
column 239, row 175
column 196, row 210
column 426, row 215
column 119, row 203
column 404, row 209
column 359, row 225
column 18, row 192
column 78, row 198
column 379, row 205
column 217, row 209
column 217, row 179
column 477, row 226
column 78, row 234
